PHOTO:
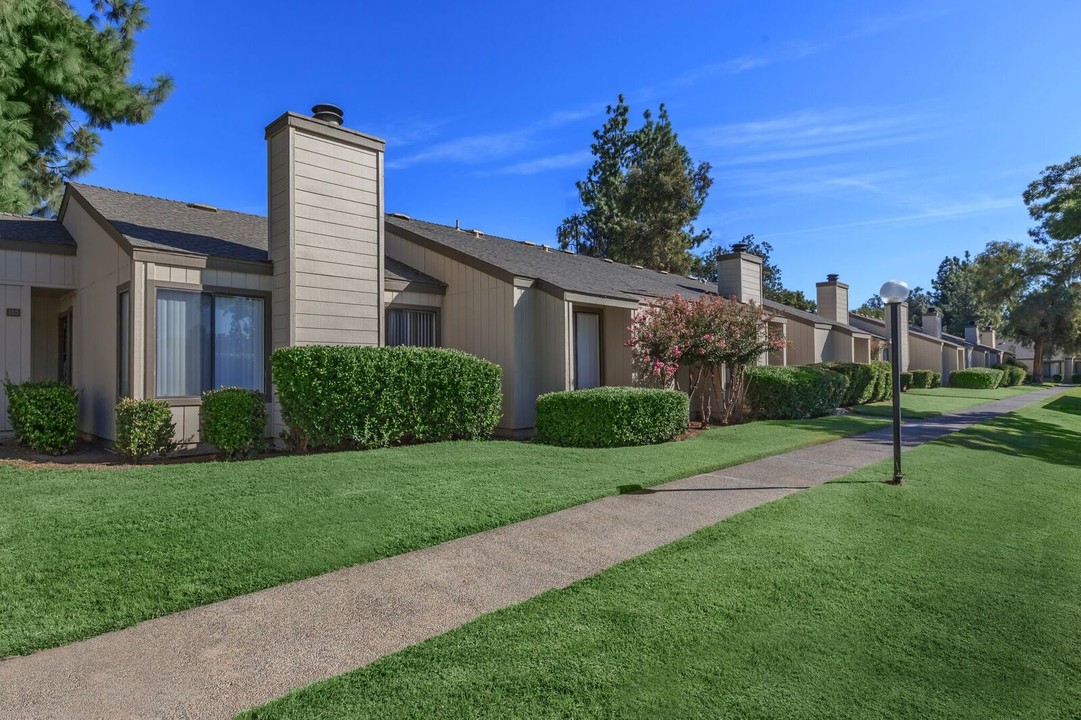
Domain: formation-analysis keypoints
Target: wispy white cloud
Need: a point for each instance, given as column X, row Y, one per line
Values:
column 550, row 162
column 473, row 149
column 972, row 206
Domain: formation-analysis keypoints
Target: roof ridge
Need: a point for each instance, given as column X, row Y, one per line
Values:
column 185, row 203
column 26, row 217
column 412, row 218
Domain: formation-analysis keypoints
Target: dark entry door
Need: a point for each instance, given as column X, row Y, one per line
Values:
column 63, row 348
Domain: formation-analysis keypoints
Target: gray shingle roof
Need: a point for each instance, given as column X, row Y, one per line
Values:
column 396, row 270
column 156, row 223
column 32, row 229
column 570, row 272
column 160, row 224
column 813, row 317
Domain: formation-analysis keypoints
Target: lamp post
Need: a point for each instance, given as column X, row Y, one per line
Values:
column 893, row 293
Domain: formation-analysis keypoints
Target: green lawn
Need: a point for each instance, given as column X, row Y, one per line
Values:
column 82, row 552
column 940, row 401
column 957, row 595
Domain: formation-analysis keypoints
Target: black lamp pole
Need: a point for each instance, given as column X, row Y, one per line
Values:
column 895, row 363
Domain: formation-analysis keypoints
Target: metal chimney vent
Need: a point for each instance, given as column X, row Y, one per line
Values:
column 328, row 113
column 739, row 247
column 832, row 277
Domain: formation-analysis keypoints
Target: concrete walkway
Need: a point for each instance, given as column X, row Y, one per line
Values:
column 215, row 660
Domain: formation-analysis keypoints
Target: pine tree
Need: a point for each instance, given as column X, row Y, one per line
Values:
column 63, row 79
column 640, row 197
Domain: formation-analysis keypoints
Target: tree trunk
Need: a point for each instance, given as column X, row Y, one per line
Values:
column 1037, row 360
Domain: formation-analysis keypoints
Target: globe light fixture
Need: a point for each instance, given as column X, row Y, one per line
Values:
column 893, row 293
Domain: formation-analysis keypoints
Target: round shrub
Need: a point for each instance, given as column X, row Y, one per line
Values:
column 1056, row 378
column 333, row 396
column 863, row 381
column 792, row 392
column 234, row 421
column 44, row 415
column 883, row 380
column 144, row 427
column 1012, row 375
column 976, row 378
column 925, row 379
column 611, row 417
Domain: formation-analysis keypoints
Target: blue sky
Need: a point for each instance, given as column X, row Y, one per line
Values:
column 866, row 139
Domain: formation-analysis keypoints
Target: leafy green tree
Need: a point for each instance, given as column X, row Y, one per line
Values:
column 956, row 292
column 640, row 197
column 1054, row 201
column 1038, row 295
column 705, row 267
column 919, row 302
column 63, row 79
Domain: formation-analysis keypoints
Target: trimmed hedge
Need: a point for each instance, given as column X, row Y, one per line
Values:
column 144, row 427
column 611, row 417
column 1013, row 375
column 906, row 381
column 1075, row 379
column 977, row 378
column 925, row 379
column 793, row 392
column 364, row 397
column 44, row 415
column 883, row 381
column 234, row 421
column 1056, row 378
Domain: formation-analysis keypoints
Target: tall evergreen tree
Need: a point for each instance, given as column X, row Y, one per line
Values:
column 956, row 292
column 63, row 79
column 640, row 197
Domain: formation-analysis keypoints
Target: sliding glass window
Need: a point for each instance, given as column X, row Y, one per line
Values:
column 207, row 341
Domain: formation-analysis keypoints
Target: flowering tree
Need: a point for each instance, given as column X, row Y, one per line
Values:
column 705, row 336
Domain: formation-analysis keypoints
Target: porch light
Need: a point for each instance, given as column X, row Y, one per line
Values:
column 893, row 293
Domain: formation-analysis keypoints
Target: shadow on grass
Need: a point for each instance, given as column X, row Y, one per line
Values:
column 1026, row 437
column 1065, row 404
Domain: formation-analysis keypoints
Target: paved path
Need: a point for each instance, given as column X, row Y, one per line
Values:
column 215, row 660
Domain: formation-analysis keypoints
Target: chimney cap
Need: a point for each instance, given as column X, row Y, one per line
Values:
column 739, row 247
column 933, row 311
column 832, row 277
column 972, row 323
column 328, row 113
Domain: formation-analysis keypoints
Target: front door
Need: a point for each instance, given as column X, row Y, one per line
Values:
column 63, row 345
column 587, row 350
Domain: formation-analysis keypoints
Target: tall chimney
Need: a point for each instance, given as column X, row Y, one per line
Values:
column 325, row 230
column 833, row 299
column 739, row 275
column 932, row 322
column 987, row 337
column 972, row 333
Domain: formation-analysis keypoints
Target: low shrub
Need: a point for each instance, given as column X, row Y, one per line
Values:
column 234, row 421
column 925, row 379
column 1056, row 378
column 1075, row 379
column 44, row 415
column 863, row 381
column 1013, row 375
column 883, row 380
column 977, row 378
column 143, row 428
column 363, row 397
column 906, row 381
column 611, row 417
column 792, row 392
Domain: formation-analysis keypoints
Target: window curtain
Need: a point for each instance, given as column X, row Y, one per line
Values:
column 238, row 342
column 183, row 343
